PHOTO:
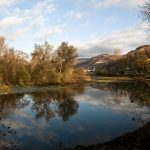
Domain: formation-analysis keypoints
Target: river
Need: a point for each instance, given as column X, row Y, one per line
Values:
column 72, row 115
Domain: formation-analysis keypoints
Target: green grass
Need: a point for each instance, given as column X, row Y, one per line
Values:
column 110, row 79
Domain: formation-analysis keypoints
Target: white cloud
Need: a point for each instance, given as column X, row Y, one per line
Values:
column 76, row 15
column 17, row 22
column 7, row 3
column 15, row 34
column 112, row 19
column 12, row 27
column 37, row 18
column 111, row 3
column 12, row 20
column 47, row 32
column 126, row 40
column 40, row 8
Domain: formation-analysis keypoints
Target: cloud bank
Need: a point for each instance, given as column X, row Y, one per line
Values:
column 126, row 40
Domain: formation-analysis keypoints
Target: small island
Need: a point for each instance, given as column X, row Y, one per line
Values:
column 44, row 67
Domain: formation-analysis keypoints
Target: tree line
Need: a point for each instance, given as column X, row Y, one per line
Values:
column 44, row 66
column 135, row 63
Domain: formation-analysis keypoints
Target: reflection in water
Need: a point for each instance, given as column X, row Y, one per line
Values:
column 59, row 102
column 129, row 97
column 47, row 104
column 137, row 93
column 56, row 102
column 73, row 115
column 9, row 103
column 12, row 102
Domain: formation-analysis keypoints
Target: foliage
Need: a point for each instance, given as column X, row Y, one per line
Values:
column 135, row 63
column 47, row 66
column 101, row 71
column 4, row 89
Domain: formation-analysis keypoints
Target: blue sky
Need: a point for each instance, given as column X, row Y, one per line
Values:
column 93, row 26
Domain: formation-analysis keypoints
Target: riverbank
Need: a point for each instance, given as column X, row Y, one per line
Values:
column 33, row 89
column 137, row 140
column 8, row 89
column 99, row 79
column 105, row 79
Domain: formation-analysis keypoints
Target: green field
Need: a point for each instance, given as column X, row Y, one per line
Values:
column 110, row 79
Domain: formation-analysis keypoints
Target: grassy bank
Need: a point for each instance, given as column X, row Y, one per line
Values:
column 8, row 89
column 97, row 79
column 5, row 90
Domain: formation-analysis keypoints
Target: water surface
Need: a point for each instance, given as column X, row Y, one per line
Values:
column 74, row 115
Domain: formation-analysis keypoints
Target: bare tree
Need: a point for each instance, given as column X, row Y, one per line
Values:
column 145, row 12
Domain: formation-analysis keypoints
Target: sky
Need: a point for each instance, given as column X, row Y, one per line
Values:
column 93, row 26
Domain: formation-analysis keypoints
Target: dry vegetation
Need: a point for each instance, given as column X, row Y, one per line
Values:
column 45, row 66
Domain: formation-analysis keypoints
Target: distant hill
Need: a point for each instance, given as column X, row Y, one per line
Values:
column 143, row 50
column 135, row 62
column 99, row 60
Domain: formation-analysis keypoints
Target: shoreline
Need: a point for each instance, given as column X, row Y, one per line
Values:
column 136, row 140
column 33, row 89
column 9, row 89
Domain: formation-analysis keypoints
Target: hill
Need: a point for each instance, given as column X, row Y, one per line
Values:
column 134, row 63
column 97, row 61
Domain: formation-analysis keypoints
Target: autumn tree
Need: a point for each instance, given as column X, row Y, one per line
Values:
column 66, row 57
column 41, row 67
column 15, row 67
column 47, row 66
column 2, row 44
column 2, row 47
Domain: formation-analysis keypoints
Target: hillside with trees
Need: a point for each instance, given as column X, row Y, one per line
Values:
column 99, row 61
column 134, row 63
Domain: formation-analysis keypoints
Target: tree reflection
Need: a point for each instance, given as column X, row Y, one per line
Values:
column 60, row 102
column 137, row 92
column 12, row 102
column 9, row 103
column 56, row 102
